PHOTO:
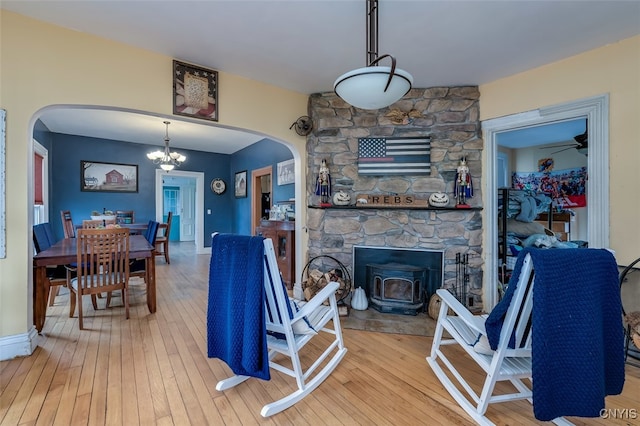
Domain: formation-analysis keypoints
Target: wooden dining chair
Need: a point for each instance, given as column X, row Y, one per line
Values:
column 162, row 241
column 103, row 267
column 138, row 267
column 97, row 223
column 67, row 224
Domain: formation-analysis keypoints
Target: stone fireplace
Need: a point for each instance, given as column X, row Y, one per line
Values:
column 450, row 116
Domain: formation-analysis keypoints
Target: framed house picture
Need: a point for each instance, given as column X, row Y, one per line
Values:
column 195, row 91
column 108, row 177
column 240, row 185
column 286, row 172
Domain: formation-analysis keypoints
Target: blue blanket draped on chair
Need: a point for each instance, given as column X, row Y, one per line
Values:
column 577, row 332
column 236, row 328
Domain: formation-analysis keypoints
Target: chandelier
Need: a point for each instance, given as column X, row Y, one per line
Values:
column 374, row 86
column 167, row 160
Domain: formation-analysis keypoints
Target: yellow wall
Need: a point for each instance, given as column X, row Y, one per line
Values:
column 613, row 69
column 43, row 65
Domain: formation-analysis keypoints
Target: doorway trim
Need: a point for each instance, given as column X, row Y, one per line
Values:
column 596, row 110
column 256, row 196
column 199, row 209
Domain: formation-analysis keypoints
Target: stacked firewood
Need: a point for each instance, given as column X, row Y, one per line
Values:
column 317, row 280
column 633, row 321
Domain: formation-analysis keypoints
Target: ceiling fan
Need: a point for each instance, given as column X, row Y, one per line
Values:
column 581, row 144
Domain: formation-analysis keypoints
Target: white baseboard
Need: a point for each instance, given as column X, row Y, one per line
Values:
column 18, row 345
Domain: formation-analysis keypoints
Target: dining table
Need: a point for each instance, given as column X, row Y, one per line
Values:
column 65, row 252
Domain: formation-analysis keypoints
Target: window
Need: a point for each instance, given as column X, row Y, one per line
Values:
column 40, row 183
column 170, row 202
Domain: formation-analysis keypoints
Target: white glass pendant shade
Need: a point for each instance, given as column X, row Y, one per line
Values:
column 177, row 157
column 364, row 87
column 166, row 166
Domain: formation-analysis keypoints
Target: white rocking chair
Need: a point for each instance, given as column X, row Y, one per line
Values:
column 502, row 364
column 567, row 340
column 289, row 325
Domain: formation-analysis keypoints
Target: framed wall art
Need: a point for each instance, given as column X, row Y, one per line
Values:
column 195, row 91
column 545, row 164
column 108, row 177
column 381, row 156
column 240, row 185
column 286, row 172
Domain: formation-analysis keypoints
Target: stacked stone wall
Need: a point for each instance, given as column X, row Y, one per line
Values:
column 450, row 116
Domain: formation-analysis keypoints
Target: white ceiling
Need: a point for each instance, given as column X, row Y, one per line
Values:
column 304, row 45
column 552, row 133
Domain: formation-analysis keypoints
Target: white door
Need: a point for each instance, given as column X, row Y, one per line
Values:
column 188, row 211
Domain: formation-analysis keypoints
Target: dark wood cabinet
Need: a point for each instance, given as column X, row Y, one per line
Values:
column 282, row 233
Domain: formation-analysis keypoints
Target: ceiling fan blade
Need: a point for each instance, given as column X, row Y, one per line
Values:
column 570, row 145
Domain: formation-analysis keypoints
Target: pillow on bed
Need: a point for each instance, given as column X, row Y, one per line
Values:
column 524, row 229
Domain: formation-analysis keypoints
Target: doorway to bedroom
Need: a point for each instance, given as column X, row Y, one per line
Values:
column 595, row 113
column 550, row 160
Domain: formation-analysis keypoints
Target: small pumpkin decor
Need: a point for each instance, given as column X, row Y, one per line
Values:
column 438, row 199
column 341, row 198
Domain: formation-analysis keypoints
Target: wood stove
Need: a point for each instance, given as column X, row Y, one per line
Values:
column 397, row 288
column 407, row 277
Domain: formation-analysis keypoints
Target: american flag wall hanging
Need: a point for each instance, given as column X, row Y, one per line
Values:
column 394, row 156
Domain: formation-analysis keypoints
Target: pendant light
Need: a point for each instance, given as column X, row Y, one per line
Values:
column 374, row 86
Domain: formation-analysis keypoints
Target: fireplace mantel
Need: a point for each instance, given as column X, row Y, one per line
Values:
column 393, row 207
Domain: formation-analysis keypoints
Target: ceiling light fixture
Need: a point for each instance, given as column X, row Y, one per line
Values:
column 374, row 86
column 167, row 160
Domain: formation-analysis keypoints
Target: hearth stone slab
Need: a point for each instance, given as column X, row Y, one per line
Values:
column 372, row 320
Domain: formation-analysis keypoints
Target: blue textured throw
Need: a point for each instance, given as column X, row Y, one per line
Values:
column 236, row 328
column 577, row 331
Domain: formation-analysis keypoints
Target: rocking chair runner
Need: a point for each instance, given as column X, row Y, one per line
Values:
column 263, row 333
column 572, row 321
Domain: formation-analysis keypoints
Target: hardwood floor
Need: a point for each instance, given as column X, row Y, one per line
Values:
column 153, row 369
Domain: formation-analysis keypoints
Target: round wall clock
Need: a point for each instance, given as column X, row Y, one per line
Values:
column 218, row 186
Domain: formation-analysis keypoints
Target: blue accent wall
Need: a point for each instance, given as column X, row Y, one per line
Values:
column 229, row 214
column 261, row 154
column 66, row 152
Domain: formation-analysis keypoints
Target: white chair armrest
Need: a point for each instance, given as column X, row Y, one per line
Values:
column 474, row 322
column 317, row 300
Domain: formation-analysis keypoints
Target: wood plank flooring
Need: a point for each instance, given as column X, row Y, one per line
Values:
column 153, row 370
